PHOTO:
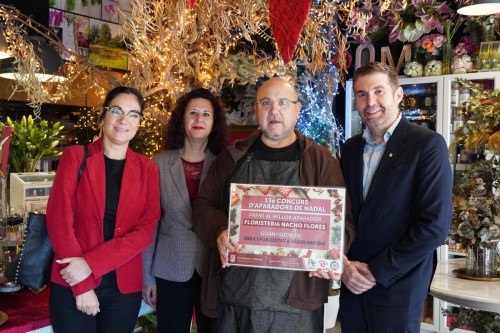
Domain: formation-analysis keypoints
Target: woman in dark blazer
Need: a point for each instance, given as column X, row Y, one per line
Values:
column 196, row 133
column 100, row 226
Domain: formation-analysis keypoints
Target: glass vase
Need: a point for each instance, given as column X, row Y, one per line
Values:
column 447, row 49
column 481, row 262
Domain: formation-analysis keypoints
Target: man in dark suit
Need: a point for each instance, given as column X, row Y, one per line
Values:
column 399, row 180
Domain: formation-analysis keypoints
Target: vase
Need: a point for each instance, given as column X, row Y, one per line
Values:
column 447, row 48
column 330, row 312
column 481, row 261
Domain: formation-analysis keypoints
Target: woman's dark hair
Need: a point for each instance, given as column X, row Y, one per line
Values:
column 118, row 91
column 175, row 134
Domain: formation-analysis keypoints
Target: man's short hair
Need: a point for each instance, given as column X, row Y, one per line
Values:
column 377, row 67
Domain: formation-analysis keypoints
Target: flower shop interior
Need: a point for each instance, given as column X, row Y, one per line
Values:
column 61, row 57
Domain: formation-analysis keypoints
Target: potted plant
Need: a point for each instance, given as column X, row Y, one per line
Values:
column 31, row 141
column 332, row 307
column 470, row 319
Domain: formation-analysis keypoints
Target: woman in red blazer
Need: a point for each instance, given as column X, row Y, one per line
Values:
column 100, row 226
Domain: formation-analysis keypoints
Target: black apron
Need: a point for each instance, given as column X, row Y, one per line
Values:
column 254, row 299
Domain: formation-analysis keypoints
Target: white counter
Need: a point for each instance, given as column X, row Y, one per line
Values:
column 480, row 295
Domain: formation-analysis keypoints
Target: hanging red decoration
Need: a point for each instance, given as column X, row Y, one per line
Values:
column 191, row 3
column 336, row 63
column 287, row 20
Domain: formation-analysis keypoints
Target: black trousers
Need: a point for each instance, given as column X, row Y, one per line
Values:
column 118, row 312
column 358, row 315
column 174, row 306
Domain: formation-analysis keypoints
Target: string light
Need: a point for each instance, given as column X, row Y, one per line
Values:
column 316, row 119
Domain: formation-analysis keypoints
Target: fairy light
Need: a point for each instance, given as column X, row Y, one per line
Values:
column 316, row 119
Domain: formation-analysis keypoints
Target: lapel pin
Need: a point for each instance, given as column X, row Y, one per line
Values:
column 390, row 154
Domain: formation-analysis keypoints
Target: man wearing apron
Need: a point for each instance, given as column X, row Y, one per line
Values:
column 257, row 299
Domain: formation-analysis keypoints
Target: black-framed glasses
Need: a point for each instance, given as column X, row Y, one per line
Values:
column 282, row 103
column 118, row 112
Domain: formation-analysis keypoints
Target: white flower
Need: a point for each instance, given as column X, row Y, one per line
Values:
column 412, row 33
column 433, row 68
column 461, row 64
column 413, row 69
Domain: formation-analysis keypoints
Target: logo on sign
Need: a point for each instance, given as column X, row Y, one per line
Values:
column 323, row 264
column 232, row 258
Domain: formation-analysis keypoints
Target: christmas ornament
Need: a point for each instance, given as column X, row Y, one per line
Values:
column 287, row 19
column 191, row 3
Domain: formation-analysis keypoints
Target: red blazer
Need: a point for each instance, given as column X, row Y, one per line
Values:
column 75, row 217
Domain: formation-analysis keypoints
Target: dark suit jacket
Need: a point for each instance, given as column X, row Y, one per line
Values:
column 75, row 214
column 406, row 214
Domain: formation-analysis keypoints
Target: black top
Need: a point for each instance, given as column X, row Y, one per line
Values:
column 264, row 152
column 114, row 173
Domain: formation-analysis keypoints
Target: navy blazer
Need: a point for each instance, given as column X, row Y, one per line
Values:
column 406, row 214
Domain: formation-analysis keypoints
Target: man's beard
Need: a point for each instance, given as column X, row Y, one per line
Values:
column 279, row 136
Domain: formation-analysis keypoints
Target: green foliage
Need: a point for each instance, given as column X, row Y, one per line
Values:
column 105, row 36
column 31, row 141
column 230, row 94
column 148, row 322
column 94, row 33
column 71, row 4
column 479, row 321
column 333, row 288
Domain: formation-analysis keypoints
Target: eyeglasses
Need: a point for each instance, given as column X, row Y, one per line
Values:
column 283, row 103
column 118, row 112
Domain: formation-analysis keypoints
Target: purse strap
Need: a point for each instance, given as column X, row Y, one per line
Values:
column 84, row 162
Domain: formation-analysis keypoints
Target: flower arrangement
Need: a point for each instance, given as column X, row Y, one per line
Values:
column 475, row 320
column 462, row 56
column 461, row 64
column 427, row 45
column 376, row 28
column 433, row 68
column 451, row 23
column 476, row 206
column 31, row 141
column 465, row 46
column 476, row 199
column 419, row 17
column 413, row 69
column 430, row 43
column 483, row 112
